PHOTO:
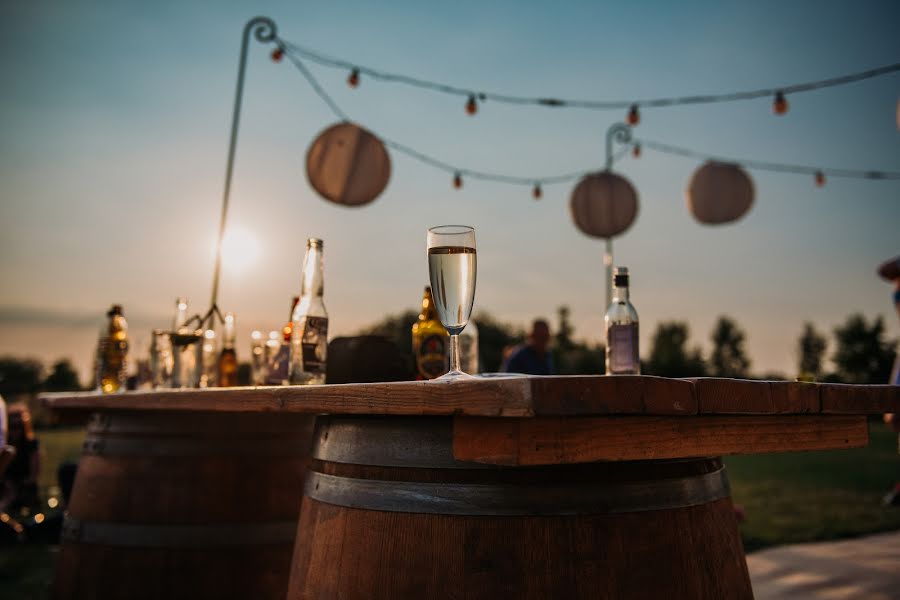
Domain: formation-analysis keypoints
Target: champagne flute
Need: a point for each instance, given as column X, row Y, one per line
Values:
column 452, row 268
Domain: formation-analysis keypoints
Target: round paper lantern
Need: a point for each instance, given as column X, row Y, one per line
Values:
column 603, row 204
column 348, row 165
column 719, row 193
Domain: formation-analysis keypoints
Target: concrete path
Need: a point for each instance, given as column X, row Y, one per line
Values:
column 865, row 568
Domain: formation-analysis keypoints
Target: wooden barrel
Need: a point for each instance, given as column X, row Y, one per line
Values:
column 388, row 513
column 189, row 505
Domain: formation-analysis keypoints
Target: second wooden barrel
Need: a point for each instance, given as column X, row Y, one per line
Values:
column 184, row 505
column 388, row 513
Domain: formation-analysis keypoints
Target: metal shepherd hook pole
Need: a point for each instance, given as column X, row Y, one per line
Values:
column 621, row 133
column 263, row 28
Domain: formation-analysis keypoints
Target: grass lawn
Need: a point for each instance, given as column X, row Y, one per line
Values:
column 789, row 498
column 814, row 496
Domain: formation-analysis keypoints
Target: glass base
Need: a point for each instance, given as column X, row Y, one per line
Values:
column 455, row 376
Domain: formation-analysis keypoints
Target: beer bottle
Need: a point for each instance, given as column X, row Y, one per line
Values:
column 309, row 335
column 430, row 341
column 112, row 353
column 622, row 355
column 228, row 365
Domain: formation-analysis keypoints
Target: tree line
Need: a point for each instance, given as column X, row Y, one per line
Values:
column 860, row 353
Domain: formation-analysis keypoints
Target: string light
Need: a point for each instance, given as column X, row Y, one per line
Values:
column 353, row 78
column 471, row 105
column 555, row 102
column 536, row 192
column 780, row 105
column 820, row 178
column 573, row 176
column 634, row 116
column 277, row 54
column 636, row 151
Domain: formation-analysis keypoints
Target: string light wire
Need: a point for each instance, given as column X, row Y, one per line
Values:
column 572, row 176
column 768, row 92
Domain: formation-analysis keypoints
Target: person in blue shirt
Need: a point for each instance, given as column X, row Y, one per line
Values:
column 534, row 357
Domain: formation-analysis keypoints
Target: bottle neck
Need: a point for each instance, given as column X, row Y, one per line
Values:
column 228, row 334
column 428, row 311
column 620, row 294
column 181, row 314
column 313, row 283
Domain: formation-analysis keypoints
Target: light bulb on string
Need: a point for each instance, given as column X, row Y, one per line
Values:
column 820, row 178
column 634, row 115
column 636, row 151
column 457, row 180
column 277, row 54
column 471, row 105
column 353, row 78
column 780, row 104
column 537, row 192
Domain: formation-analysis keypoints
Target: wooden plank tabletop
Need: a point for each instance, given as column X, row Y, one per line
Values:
column 580, row 395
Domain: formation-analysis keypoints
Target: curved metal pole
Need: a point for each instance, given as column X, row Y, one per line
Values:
column 619, row 132
column 263, row 29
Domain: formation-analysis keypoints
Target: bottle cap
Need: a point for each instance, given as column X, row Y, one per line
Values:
column 620, row 277
column 116, row 309
column 314, row 243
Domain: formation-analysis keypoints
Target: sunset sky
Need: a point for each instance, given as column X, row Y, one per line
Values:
column 114, row 122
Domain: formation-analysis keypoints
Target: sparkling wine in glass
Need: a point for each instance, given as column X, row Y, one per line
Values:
column 452, row 268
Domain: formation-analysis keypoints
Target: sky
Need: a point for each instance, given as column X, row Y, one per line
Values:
column 114, row 124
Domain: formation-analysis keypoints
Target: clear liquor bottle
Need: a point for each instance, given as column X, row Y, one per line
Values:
column 309, row 335
column 622, row 352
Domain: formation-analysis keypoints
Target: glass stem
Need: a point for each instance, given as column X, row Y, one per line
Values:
column 454, row 354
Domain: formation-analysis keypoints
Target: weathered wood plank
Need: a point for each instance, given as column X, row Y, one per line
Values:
column 616, row 394
column 559, row 440
column 860, row 399
column 513, row 397
column 740, row 396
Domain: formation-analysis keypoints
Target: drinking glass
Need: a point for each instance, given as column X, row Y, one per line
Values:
column 452, row 268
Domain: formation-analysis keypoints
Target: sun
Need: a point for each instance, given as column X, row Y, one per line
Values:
column 240, row 249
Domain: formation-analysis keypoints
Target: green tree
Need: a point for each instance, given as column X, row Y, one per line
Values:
column 20, row 376
column 62, row 377
column 493, row 337
column 728, row 358
column 669, row 356
column 811, row 348
column 862, row 355
column 564, row 330
column 397, row 328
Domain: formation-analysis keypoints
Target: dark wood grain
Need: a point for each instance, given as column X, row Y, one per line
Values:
column 860, row 399
column 156, row 489
column 740, row 396
column 684, row 553
column 556, row 440
column 511, row 397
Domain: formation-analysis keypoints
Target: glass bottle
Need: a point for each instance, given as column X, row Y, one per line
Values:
column 279, row 364
column 112, row 353
column 210, row 359
column 309, row 338
column 430, row 341
column 468, row 348
column 228, row 365
column 622, row 352
column 187, row 349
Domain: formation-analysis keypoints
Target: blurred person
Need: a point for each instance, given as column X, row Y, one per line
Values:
column 18, row 487
column 533, row 357
column 890, row 271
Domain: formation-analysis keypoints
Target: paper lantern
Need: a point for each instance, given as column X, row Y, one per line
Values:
column 603, row 205
column 719, row 193
column 348, row 165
